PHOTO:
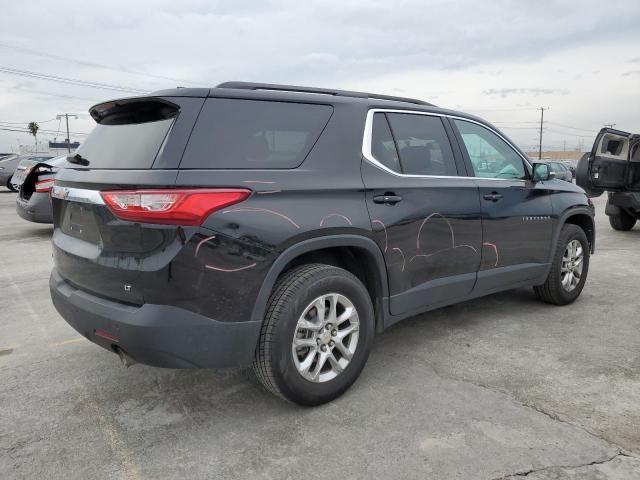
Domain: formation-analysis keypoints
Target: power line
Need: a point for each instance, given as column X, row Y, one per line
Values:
column 97, row 65
column 69, row 81
column 517, row 128
column 573, row 128
column 26, row 123
column 49, row 94
column 43, row 130
column 571, row 134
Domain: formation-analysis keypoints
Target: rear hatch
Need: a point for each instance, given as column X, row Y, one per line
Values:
column 137, row 144
column 40, row 177
column 613, row 164
column 24, row 168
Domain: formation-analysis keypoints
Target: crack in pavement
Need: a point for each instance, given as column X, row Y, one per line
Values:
column 526, row 473
column 620, row 450
column 508, row 394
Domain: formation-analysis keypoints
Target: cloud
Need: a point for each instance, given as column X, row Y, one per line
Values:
column 505, row 92
column 351, row 44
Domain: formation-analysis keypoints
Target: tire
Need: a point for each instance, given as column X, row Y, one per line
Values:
column 292, row 296
column 553, row 291
column 622, row 221
column 10, row 187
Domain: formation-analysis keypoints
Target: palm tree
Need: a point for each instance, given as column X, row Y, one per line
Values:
column 33, row 129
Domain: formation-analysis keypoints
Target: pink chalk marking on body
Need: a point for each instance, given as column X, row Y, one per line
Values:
column 467, row 246
column 436, row 214
column 495, row 249
column 335, row 215
column 229, row 270
column 262, row 210
column 266, row 192
column 401, row 253
column 427, row 255
column 201, row 242
column 386, row 238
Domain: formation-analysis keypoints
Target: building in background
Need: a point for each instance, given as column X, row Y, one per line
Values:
column 53, row 147
column 556, row 155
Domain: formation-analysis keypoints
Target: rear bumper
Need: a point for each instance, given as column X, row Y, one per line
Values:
column 37, row 209
column 158, row 335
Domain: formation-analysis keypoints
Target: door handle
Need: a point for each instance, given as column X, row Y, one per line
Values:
column 493, row 197
column 389, row 197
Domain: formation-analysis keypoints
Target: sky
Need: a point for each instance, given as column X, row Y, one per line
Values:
column 501, row 60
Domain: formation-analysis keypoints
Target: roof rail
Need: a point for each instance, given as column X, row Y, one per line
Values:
column 326, row 91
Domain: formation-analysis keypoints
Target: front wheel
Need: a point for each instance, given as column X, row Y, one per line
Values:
column 622, row 221
column 569, row 268
column 10, row 187
column 316, row 335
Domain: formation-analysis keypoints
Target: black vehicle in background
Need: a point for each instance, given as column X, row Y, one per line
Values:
column 614, row 166
column 282, row 227
column 33, row 202
column 572, row 165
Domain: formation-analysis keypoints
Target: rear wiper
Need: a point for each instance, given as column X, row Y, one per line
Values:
column 77, row 159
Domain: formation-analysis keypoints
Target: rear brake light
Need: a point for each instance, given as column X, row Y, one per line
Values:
column 174, row 207
column 44, row 185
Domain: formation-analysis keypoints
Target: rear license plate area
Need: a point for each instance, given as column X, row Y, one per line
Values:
column 78, row 221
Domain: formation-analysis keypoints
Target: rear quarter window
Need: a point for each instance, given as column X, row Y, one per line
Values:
column 254, row 134
column 132, row 145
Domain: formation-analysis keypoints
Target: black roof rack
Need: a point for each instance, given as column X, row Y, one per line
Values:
column 326, row 91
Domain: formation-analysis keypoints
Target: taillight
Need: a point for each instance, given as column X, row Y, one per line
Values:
column 173, row 207
column 44, row 185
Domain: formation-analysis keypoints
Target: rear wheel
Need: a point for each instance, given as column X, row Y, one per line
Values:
column 10, row 187
column 569, row 268
column 622, row 221
column 316, row 336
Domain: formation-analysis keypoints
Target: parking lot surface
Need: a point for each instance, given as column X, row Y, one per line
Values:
column 499, row 387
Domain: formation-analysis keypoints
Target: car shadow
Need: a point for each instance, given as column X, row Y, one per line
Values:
column 44, row 232
column 235, row 393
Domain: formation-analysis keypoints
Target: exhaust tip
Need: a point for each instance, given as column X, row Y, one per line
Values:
column 126, row 360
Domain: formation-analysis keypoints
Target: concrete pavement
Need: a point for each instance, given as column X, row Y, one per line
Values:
column 499, row 387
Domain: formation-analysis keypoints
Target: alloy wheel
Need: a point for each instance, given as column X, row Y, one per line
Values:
column 325, row 338
column 572, row 265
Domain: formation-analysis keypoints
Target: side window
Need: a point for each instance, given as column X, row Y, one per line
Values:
column 423, row 145
column 383, row 148
column 491, row 157
column 254, row 134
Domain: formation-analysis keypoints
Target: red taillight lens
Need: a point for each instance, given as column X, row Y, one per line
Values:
column 44, row 185
column 172, row 207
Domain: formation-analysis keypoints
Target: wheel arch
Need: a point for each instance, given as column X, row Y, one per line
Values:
column 581, row 216
column 357, row 254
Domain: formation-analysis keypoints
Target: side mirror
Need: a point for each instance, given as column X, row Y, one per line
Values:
column 542, row 172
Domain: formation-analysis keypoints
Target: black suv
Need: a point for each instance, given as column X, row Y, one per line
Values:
column 613, row 165
column 284, row 226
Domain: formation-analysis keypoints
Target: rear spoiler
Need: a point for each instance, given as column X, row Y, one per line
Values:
column 133, row 110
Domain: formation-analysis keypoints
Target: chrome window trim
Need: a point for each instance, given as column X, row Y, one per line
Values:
column 81, row 195
column 368, row 133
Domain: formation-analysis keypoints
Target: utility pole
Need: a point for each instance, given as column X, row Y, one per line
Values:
column 66, row 117
column 542, row 109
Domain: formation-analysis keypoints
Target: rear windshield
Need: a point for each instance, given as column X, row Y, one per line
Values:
column 133, row 145
column 129, row 133
column 254, row 134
